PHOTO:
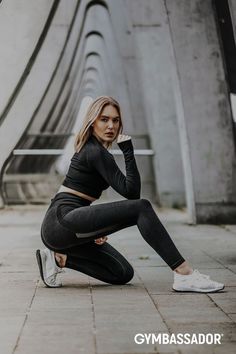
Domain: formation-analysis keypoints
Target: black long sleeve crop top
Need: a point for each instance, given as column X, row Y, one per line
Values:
column 93, row 169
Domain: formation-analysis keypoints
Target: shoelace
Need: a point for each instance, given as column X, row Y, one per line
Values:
column 60, row 270
column 52, row 279
column 200, row 276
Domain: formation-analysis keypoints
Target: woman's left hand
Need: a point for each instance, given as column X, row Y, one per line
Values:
column 101, row 240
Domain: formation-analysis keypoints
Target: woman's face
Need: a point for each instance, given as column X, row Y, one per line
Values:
column 106, row 126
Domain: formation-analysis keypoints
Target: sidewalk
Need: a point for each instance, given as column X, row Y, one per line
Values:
column 88, row 316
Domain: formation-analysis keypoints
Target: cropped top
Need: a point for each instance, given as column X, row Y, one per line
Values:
column 93, row 169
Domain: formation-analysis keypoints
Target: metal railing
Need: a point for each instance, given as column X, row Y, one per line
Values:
column 59, row 152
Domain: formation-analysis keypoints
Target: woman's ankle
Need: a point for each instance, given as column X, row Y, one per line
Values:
column 60, row 259
column 184, row 269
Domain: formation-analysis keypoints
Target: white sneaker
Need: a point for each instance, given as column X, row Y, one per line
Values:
column 48, row 268
column 196, row 282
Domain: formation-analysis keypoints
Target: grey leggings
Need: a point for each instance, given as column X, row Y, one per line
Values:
column 71, row 225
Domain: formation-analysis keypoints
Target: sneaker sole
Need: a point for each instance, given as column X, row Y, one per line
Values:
column 199, row 290
column 40, row 265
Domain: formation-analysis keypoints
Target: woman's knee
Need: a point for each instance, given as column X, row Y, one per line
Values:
column 126, row 276
column 144, row 204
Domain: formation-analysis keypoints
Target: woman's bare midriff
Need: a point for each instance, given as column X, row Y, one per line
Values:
column 72, row 191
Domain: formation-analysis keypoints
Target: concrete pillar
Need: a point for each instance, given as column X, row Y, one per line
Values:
column 30, row 54
column 63, row 162
column 153, row 55
column 232, row 6
column 205, row 118
column 123, row 32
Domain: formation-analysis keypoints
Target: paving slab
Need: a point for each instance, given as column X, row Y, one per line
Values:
column 89, row 316
column 226, row 300
column 189, row 308
column 10, row 325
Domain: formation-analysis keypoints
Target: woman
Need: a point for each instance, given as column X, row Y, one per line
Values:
column 75, row 232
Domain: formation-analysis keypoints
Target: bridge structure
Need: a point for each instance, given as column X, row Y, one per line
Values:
column 169, row 64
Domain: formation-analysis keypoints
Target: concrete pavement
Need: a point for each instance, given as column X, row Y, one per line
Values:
column 89, row 316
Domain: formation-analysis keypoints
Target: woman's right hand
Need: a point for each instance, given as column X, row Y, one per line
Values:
column 101, row 240
column 122, row 137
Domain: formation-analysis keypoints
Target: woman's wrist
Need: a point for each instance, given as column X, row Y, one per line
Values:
column 126, row 146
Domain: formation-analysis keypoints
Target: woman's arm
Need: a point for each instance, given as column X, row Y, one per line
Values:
column 128, row 186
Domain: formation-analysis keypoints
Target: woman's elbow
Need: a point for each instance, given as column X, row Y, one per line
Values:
column 133, row 191
column 133, row 195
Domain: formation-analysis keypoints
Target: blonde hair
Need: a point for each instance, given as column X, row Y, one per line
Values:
column 92, row 114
